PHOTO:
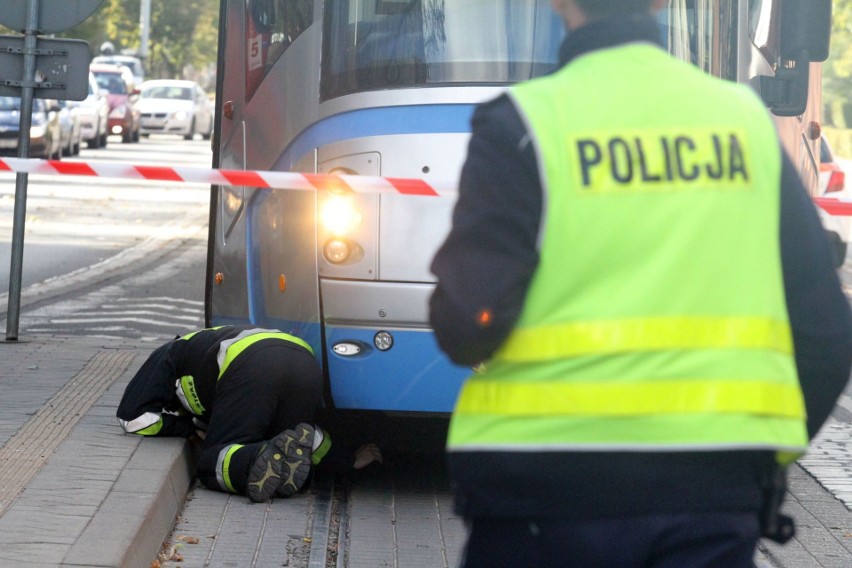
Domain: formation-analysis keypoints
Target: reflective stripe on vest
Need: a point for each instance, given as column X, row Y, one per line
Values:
column 631, row 399
column 650, row 433
column 238, row 347
column 598, row 337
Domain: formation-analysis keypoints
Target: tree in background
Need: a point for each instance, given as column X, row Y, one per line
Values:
column 182, row 39
column 837, row 71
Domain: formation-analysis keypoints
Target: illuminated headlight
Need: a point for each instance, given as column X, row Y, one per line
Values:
column 337, row 251
column 37, row 131
column 339, row 216
column 179, row 115
column 383, row 341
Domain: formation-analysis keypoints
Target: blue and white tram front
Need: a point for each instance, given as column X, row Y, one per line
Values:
column 398, row 82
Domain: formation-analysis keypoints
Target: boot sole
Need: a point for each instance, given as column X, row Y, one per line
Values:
column 283, row 466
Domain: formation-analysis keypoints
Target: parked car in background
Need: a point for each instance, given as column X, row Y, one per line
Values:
column 94, row 115
column 171, row 106
column 134, row 64
column 70, row 133
column 832, row 183
column 44, row 130
column 122, row 96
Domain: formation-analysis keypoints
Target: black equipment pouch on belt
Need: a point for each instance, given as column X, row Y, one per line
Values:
column 773, row 525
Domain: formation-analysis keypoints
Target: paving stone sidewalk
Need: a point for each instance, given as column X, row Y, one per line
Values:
column 75, row 491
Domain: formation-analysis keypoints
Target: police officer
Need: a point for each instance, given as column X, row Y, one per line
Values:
column 635, row 260
column 251, row 394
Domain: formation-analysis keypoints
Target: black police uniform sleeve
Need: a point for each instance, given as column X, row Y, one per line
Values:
column 487, row 261
column 819, row 311
column 152, row 389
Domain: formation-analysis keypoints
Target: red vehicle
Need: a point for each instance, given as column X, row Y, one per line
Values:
column 124, row 117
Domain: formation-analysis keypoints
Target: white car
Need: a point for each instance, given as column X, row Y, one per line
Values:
column 832, row 183
column 71, row 134
column 94, row 115
column 175, row 107
column 132, row 63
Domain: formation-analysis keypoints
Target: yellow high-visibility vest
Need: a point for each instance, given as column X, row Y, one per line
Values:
column 656, row 319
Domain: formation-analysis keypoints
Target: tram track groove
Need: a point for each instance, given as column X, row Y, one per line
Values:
column 321, row 527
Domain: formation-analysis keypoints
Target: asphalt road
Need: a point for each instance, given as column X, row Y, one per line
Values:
column 109, row 256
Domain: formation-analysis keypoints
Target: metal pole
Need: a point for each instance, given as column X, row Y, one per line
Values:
column 20, row 213
column 144, row 27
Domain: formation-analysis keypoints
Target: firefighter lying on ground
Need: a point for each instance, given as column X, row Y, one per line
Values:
column 251, row 396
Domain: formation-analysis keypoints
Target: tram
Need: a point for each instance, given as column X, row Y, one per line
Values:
column 387, row 88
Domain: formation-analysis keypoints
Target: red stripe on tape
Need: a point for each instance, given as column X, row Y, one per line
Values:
column 73, row 168
column 412, row 186
column 4, row 166
column 156, row 172
column 244, row 177
column 328, row 182
column 834, row 206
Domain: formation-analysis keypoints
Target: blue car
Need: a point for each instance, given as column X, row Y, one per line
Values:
column 45, row 137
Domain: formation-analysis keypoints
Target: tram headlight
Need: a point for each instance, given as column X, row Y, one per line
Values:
column 339, row 215
column 337, row 251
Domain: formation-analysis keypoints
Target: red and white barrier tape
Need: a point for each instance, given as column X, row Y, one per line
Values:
column 834, row 205
column 288, row 180
column 249, row 178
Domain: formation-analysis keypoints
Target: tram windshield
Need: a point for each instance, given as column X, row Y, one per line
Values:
column 389, row 44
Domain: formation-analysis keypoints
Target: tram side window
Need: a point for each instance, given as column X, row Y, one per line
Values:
column 702, row 32
column 375, row 43
column 389, row 44
column 271, row 27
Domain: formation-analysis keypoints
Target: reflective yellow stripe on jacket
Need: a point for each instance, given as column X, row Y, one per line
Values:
column 238, row 347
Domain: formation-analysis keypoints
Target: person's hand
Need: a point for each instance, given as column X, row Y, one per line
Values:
column 367, row 454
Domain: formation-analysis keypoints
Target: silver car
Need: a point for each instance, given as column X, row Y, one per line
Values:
column 70, row 131
column 175, row 107
column 132, row 63
column 94, row 116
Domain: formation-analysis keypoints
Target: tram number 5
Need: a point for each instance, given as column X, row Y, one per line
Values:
column 255, row 58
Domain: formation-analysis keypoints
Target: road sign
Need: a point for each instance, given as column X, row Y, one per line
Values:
column 54, row 15
column 61, row 68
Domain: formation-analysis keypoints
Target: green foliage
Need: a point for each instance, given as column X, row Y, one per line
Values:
column 837, row 71
column 840, row 140
column 182, row 36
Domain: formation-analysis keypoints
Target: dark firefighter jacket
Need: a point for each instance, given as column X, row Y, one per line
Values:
column 153, row 390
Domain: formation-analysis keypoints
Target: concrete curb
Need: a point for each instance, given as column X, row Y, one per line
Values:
column 139, row 512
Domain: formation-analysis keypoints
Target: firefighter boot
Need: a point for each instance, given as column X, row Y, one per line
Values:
column 282, row 464
column 319, row 448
